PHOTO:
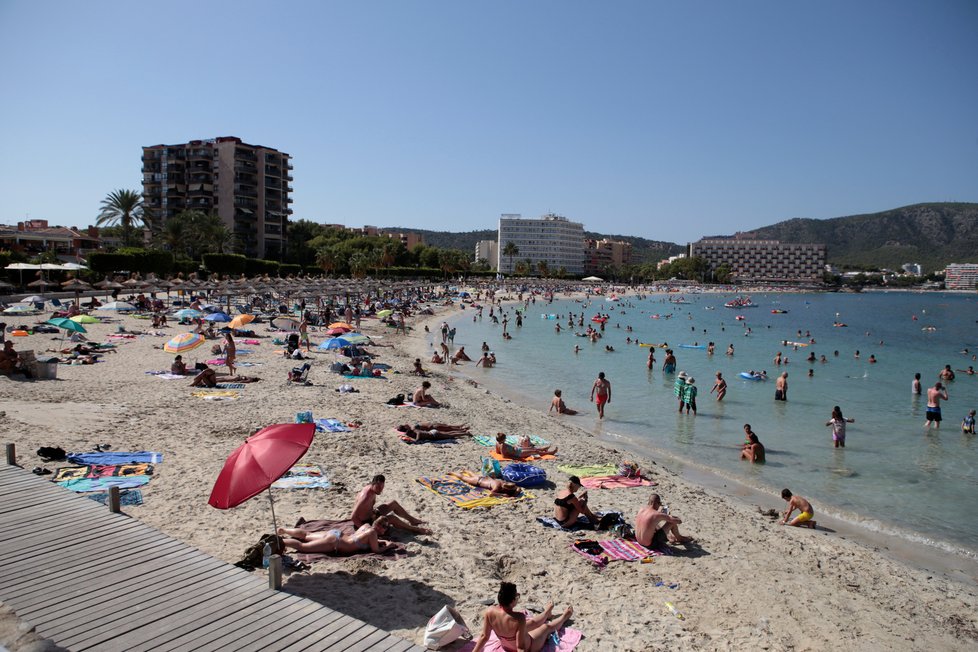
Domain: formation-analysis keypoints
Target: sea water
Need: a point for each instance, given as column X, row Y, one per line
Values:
column 894, row 475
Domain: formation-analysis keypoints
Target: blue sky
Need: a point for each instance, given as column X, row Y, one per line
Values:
column 667, row 120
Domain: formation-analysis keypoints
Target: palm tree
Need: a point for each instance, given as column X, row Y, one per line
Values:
column 543, row 268
column 512, row 251
column 326, row 258
column 123, row 208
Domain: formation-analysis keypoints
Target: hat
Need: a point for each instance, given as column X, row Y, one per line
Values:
column 682, row 374
column 690, row 381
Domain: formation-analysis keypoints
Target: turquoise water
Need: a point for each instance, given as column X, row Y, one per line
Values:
column 893, row 475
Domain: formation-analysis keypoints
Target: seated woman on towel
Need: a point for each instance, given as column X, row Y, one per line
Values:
column 568, row 506
column 515, row 629
column 420, row 433
column 494, row 485
column 334, row 542
column 179, row 367
column 519, row 452
column 206, row 378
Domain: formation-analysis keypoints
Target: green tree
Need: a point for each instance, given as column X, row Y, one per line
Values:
column 122, row 208
column 542, row 268
column 723, row 273
column 327, row 260
column 511, row 251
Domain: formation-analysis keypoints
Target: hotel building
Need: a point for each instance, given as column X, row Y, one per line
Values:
column 489, row 251
column 768, row 261
column 247, row 186
column 961, row 276
column 552, row 239
column 602, row 255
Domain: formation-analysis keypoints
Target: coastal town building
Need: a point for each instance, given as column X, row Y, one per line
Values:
column 247, row 186
column 961, row 276
column 550, row 239
column 769, row 261
column 602, row 255
column 33, row 237
column 408, row 239
column 913, row 269
column 488, row 250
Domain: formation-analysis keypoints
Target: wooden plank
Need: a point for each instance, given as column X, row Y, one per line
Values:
column 403, row 645
column 57, row 511
column 369, row 643
column 190, row 639
column 89, row 630
column 247, row 590
column 35, row 498
column 311, row 641
column 263, row 622
column 329, row 641
column 95, row 584
column 279, row 639
column 55, row 538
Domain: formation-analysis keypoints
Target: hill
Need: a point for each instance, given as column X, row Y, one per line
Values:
column 930, row 234
column 643, row 250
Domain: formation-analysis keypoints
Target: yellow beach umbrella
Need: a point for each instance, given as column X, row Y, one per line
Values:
column 240, row 321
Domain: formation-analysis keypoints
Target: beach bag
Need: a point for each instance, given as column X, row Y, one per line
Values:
column 629, row 469
column 304, row 417
column 397, row 400
column 444, row 628
column 622, row 531
column 491, row 468
column 525, row 475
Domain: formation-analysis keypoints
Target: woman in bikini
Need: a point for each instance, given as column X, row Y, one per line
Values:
column 418, row 433
column 515, row 630
column 519, row 452
column 568, row 506
column 335, row 542
column 494, row 485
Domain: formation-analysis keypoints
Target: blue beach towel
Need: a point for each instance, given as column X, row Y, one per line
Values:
column 116, row 457
column 126, row 497
column 330, row 425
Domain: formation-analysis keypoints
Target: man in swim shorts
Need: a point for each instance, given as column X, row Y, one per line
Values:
column 601, row 390
column 934, row 396
column 654, row 528
column 365, row 510
column 804, row 519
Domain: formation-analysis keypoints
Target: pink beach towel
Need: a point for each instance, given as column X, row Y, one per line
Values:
column 569, row 639
column 618, row 550
column 615, row 482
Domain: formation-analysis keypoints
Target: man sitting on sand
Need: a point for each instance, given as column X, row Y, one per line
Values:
column 435, row 433
column 804, row 519
column 494, row 485
column 334, row 542
column 422, row 398
column 654, row 527
column 558, row 404
column 418, row 369
column 461, row 356
column 519, row 452
column 366, row 511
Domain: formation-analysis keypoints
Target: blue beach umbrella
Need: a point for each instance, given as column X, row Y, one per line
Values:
column 218, row 316
column 335, row 343
column 187, row 313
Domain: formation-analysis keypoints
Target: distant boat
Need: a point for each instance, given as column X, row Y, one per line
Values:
column 778, row 312
column 740, row 302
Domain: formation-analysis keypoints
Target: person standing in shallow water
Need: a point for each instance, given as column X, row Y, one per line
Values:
column 781, row 387
column 601, row 393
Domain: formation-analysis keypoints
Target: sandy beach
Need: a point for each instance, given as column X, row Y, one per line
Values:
column 748, row 584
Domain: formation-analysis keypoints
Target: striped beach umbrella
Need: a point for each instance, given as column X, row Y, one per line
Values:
column 187, row 313
column 184, row 342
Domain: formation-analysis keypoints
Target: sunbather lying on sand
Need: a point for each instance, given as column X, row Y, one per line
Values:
column 519, row 452
column 418, row 433
column 206, row 378
column 335, row 542
column 485, row 482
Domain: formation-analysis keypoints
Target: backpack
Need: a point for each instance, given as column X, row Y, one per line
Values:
column 525, row 475
column 397, row 400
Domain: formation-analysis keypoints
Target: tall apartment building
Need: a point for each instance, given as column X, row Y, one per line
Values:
column 600, row 255
column 489, row 251
column 552, row 239
column 247, row 186
column 961, row 276
column 768, row 261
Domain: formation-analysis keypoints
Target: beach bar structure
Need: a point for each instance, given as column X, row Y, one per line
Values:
column 100, row 580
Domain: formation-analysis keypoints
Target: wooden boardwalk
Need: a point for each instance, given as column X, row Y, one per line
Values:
column 89, row 579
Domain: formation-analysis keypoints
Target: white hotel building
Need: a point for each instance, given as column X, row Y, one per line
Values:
column 553, row 239
column 961, row 276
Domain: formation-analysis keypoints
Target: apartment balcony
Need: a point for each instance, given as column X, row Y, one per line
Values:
column 288, row 166
column 272, row 229
column 273, row 170
column 153, row 167
column 288, row 177
column 289, row 189
column 245, row 191
column 245, row 155
column 244, row 215
column 289, row 200
column 245, row 166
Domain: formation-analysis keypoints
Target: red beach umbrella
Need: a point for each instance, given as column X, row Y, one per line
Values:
column 260, row 461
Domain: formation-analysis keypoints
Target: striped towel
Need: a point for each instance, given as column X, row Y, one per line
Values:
column 331, row 425
column 617, row 550
column 583, row 471
column 512, row 440
column 615, row 482
column 465, row 495
column 230, row 386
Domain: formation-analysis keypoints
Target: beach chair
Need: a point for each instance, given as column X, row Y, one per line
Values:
column 300, row 375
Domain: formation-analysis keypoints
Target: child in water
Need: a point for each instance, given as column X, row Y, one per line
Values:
column 968, row 424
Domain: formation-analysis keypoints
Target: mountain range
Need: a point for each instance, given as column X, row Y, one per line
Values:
column 933, row 235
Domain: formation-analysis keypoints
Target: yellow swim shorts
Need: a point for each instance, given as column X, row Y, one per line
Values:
column 804, row 516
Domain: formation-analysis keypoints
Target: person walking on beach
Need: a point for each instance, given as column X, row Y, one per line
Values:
column 935, row 395
column 781, row 387
column 304, row 333
column 804, row 519
column 838, row 423
column 230, row 352
column 720, row 387
column 602, row 390
column 516, row 630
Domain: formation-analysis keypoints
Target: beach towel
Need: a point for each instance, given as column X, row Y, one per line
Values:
column 568, row 636
column 614, row 482
column 217, row 362
column 527, row 458
column 216, row 395
column 512, row 440
column 581, row 524
column 614, row 550
column 166, row 375
column 397, row 551
column 126, row 497
column 584, row 471
column 303, row 476
column 408, row 440
column 407, row 404
column 116, row 457
column 465, row 495
column 229, row 386
column 330, row 425
column 95, row 477
column 352, row 377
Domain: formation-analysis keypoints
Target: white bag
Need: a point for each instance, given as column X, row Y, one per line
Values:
column 444, row 628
